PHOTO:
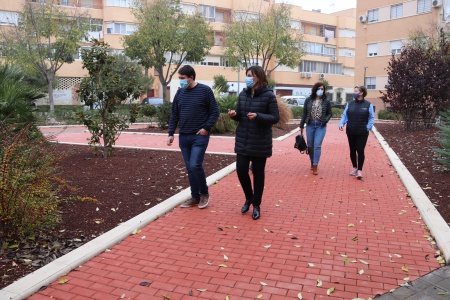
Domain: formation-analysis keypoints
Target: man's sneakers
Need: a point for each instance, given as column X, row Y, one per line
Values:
column 190, row 202
column 204, row 201
column 201, row 203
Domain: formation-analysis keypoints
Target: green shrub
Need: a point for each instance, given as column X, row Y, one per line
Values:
column 387, row 115
column 163, row 115
column 147, row 110
column 297, row 112
column 227, row 102
column 445, row 139
column 336, row 112
column 29, row 185
column 224, row 124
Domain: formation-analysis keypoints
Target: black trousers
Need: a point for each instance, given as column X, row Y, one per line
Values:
column 258, row 169
column 357, row 143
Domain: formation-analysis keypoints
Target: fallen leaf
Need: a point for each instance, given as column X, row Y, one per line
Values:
column 227, row 297
column 222, row 248
column 427, row 188
column 222, row 265
column 328, row 252
column 181, row 227
column 298, row 246
column 263, row 283
column 147, row 204
column 330, row 290
column 136, row 194
column 123, row 296
column 201, row 290
column 300, row 296
column 319, row 282
column 266, row 230
column 166, row 297
column 259, row 296
column 311, row 264
column 267, row 247
column 136, row 231
column 325, row 217
column 361, row 272
column 62, row 281
column 235, row 227
column 346, row 260
column 209, row 263
column 363, row 262
column 398, row 255
column 225, row 257
column 406, row 279
column 351, row 225
column 405, row 269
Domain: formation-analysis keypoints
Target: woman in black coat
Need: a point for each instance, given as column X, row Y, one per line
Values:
column 256, row 112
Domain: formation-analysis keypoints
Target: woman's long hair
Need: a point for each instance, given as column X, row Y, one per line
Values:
column 314, row 91
column 259, row 73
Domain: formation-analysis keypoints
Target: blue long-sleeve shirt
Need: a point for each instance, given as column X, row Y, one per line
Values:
column 193, row 109
column 370, row 123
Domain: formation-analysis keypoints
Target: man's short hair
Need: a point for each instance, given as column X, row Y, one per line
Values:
column 187, row 70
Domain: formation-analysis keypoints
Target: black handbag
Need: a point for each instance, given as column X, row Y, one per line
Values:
column 300, row 144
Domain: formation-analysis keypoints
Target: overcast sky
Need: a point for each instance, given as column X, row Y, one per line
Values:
column 327, row 6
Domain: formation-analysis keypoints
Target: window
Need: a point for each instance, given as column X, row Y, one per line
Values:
column 313, row 30
column 372, row 50
column 320, row 67
column 372, row 15
column 371, row 83
column 208, row 12
column 188, row 9
column 120, row 28
column 396, row 11
column 77, row 55
column 396, row 47
column 64, row 2
column 96, row 25
column 245, row 16
column 349, row 97
column 423, row 6
column 295, row 24
column 219, row 17
column 349, row 33
column 8, row 18
column 120, row 3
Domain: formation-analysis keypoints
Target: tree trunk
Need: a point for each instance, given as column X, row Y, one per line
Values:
column 163, row 83
column 50, row 97
column 146, row 75
column 105, row 134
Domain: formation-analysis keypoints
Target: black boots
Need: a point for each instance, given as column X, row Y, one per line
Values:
column 256, row 214
column 246, row 206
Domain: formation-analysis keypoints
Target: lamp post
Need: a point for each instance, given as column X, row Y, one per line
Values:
column 365, row 68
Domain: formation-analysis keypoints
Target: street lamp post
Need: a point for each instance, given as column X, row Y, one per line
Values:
column 365, row 68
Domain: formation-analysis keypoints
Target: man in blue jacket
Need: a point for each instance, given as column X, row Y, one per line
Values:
column 194, row 111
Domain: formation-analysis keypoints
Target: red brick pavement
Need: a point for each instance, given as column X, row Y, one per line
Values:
column 353, row 235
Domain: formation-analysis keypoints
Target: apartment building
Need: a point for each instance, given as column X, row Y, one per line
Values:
column 329, row 44
column 383, row 26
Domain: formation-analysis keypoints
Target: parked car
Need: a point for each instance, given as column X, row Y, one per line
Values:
column 337, row 105
column 294, row 101
column 152, row 101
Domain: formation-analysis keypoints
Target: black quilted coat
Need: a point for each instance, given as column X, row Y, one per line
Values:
column 254, row 137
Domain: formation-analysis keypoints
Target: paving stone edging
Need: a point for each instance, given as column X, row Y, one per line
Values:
column 30, row 284
column 439, row 229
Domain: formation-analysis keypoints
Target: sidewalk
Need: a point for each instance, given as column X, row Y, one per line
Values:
column 317, row 234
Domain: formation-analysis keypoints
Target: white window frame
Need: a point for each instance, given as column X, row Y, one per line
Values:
column 372, row 15
column 423, row 6
column 396, row 11
column 65, row 3
column 208, row 12
column 119, row 3
column 396, row 47
column 9, row 18
column 372, row 49
column 188, row 9
column 371, row 83
column 124, row 28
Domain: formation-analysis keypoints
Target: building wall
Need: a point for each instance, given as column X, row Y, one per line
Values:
column 315, row 26
column 385, row 34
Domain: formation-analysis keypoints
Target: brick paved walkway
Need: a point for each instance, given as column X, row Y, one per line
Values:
column 360, row 237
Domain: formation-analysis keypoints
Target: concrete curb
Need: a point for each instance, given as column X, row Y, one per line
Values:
column 439, row 229
column 30, row 284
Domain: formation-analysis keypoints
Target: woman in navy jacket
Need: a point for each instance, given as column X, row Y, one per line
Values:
column 256, row 112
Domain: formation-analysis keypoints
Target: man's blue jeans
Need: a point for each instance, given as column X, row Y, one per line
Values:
column 193, row 148
column 315, row 133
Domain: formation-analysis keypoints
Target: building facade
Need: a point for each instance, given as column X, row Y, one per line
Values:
column 382, row 28
column 329, row 41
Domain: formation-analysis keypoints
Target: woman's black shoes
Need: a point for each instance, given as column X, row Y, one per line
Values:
column 246, row 206
column 256, row 214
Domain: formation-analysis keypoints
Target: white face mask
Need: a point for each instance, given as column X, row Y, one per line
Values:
column 319, row 93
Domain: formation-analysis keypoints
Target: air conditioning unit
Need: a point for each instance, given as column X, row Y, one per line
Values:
column 321, row 76
column 308, row 75
column 436, row 3
column 363, row 18
column 302, row 75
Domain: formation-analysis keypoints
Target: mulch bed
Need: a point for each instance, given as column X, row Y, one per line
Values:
column 118, row 188
column 416, row 151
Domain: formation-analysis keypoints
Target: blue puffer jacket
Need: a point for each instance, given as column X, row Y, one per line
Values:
column 254, row 137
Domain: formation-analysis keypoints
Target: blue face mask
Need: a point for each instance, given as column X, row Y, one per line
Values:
column 249, row 82
column 356, row 95
column 184, row 83
column 319, row 93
